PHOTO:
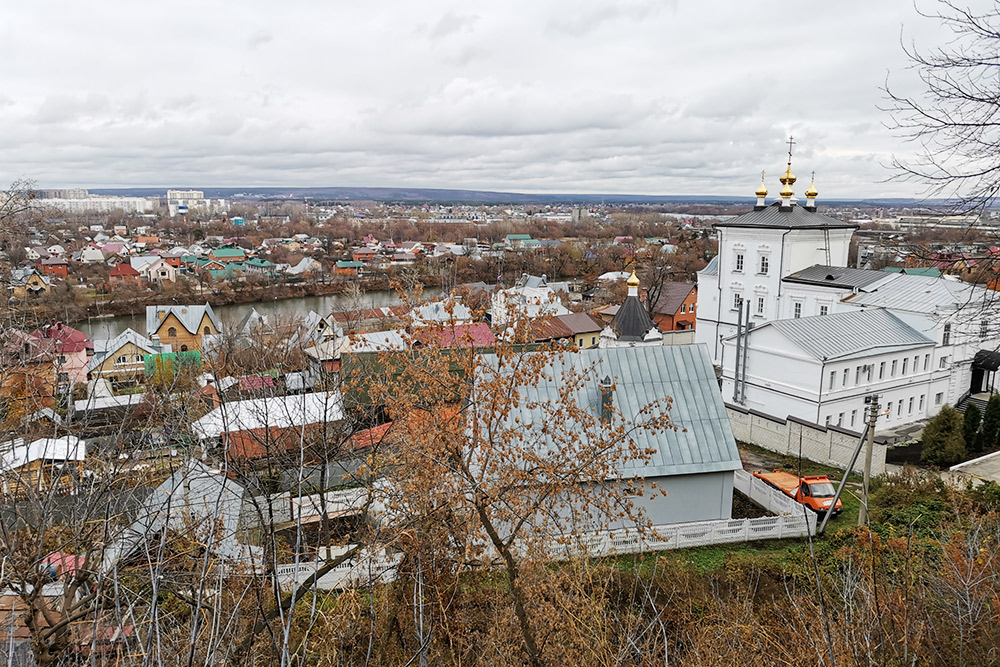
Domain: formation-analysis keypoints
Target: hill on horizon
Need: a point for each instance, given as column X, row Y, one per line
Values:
column 442, row 195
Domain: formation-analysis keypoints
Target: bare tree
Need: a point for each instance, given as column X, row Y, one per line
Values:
column 15, row 201
column 955, row 120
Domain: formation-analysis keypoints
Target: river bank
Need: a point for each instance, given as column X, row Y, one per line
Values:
column 279, row 309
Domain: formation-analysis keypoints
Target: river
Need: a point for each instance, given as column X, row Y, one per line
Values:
column 283, row 309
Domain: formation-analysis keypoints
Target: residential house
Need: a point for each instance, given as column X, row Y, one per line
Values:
column 578, row 329
column 91, row 255
column 475, row 335
column 531, row 298
column 121, row 360
column 42, row 465
column 259, row 267
column 54, row 267
column 72, row 350
column 364, row 255
column 450, row 311
column 124, row 275
column 225, row 255
column 182, row 327
column 348, row 268
column 154, row 269
column 517, row 241
column 675, row 307
column 28, row 282
column 255, row 428
column 28, row 382
column 307, row 265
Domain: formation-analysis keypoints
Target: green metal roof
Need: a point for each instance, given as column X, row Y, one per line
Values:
column 703, row 441
column 228, row 252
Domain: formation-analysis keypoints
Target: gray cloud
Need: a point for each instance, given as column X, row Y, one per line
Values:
column 589, row 96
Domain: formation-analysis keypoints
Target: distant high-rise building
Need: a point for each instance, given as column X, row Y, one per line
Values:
column 191, row 201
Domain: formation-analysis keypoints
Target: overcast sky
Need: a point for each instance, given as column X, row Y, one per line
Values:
column 567, row 96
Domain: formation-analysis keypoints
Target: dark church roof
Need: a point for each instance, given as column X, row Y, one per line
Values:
column 835, row 276
column 791, row 217
column 632, row 322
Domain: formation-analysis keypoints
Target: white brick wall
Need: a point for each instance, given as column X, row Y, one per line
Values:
column 829, row 446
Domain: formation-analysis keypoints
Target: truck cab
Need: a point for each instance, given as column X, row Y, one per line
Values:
column 814, row 491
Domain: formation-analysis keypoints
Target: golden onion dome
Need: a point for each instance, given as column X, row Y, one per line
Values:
column 762, row 190
column 812, row 191
column 787, row 191
column 788, row 178
column 633, row 280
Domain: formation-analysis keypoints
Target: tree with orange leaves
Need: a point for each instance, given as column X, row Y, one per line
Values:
column 502, row 459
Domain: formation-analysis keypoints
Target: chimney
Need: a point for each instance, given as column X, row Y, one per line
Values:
column 607, row 398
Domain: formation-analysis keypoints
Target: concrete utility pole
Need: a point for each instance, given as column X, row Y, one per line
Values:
column 873, row 407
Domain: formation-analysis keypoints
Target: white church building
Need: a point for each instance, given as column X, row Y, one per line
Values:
column 823, row 336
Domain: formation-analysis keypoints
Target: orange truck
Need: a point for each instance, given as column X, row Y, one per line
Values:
column 814, row 491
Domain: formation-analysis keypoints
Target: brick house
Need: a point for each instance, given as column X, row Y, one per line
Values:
column 124, row 275
column 675, row 308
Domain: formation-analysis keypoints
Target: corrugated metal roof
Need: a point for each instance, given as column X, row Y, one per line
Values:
column 843, row 335
column 712, row 269
column 793, row 217
column 271, row 412
column 919, row 294
column 703, row 441
column 189, row 316
column 836, row 276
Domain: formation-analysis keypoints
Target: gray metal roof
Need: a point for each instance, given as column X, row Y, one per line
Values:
column 919, row 294
column 189, row 316
column 104, row 347
column 792, row 217
column 703, row 441
column 846, row 335
column 836, row 276
column 712, row 269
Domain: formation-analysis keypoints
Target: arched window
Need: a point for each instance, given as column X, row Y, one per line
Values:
column 207, row 331
column 172, row 332
column 184, row 348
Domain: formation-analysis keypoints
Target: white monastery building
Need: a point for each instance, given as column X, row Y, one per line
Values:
column 821, row 336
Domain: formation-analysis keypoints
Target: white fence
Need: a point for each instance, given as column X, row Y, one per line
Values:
column 790, row 522
column 765, row 495
column 362, row 571
column 685, row 535
column 829, row 445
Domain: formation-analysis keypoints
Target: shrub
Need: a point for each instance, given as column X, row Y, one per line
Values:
column 991, row 423
column 942, row 442
column 970, row 429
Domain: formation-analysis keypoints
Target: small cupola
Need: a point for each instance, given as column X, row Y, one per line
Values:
column 633, row 284
column 761, row 194
column 787, row 179
column 811, row 193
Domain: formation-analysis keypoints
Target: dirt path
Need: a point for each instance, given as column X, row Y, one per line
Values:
column 754, row 460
